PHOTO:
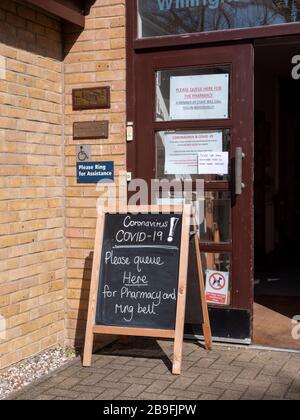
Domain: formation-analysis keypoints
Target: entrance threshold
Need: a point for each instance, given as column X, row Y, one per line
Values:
column 221, row 342
column 279, row 350
column 216, row 340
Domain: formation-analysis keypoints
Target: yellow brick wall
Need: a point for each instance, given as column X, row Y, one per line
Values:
column 32, row 244
column 96, row 59
column 47, row 220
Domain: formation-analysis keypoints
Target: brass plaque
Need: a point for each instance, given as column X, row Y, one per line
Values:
column 83, row 153
column 89, row 130
column 91, row 98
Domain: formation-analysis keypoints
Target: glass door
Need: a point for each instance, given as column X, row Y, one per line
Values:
column 194, row 121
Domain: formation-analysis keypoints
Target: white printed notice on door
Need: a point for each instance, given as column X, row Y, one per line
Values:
column 181, row 150
column 217, row 287
column 213, row 163
column 203, row 97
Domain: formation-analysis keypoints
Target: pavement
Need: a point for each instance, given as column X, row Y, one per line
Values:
column 139, row 369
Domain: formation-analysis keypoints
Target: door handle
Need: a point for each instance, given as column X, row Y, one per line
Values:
column 239, row 185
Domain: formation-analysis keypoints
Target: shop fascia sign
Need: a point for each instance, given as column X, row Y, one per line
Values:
column 167, row 5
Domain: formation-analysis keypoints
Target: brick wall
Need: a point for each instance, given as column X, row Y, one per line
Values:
column 32, row 245
column 97, row 58
column 47, row 221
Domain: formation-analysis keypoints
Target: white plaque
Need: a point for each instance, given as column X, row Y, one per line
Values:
column 203, row 97
column 181, row 150
column 213, row 163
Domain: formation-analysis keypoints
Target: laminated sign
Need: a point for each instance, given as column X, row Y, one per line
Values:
column 203, row 97
column 182, row 149
column 216, row 163
column 217, row 285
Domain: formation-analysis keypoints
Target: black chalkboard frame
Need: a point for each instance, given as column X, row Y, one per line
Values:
column 177, row 334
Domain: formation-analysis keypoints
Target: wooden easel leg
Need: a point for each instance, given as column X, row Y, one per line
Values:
column 207, row 336
column 178, row 341
column 182, row 290
column 89, row 335
column 206, row 322
column 177, row 360
column 88, row 349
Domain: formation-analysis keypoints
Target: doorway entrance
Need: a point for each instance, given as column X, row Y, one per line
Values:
column 167, row 122
column 276, row 193
column 193, row 103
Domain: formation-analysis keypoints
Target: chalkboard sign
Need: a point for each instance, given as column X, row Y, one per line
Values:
column 139, row 276
column 139, row 271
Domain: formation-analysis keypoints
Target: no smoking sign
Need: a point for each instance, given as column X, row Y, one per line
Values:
column 217, row 286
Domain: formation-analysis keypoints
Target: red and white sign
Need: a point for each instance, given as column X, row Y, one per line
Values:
column 182, row 149
column 203, row 97
column 217, row 286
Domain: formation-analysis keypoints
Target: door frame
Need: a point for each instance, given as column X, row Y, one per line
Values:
column 241, row 121
column 137, row 47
